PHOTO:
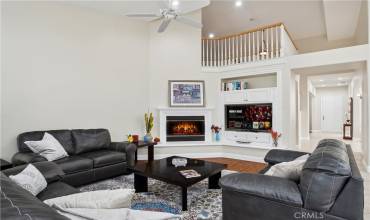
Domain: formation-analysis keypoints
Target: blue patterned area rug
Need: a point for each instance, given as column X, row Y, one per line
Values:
column 165, row 197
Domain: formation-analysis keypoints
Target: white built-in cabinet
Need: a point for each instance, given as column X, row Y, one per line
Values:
column 264, row 95
column 249, row 96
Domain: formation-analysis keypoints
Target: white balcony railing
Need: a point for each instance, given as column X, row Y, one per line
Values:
column 263, row 43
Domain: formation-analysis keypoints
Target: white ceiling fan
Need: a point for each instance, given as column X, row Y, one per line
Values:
column 169, row 11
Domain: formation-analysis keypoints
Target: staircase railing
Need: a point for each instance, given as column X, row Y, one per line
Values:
column 263, row 43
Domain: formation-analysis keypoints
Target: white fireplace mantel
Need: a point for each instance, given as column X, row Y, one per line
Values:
column 183, row 111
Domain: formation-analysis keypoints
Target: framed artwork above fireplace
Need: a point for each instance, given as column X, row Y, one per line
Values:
column 186, row 93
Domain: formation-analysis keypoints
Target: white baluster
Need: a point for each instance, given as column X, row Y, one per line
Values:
column 229, row 54
column 233, row 51
column 203, row 64
column 236, row 49
column 249, row 47
column 245, row 48
column 218, row 53
column 277, row 42
column 272, row 43
column 267, row 44
column 258, row 45
column 253, row 46
column 282, row 40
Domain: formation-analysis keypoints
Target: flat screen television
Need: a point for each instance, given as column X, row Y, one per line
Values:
column 248, row 117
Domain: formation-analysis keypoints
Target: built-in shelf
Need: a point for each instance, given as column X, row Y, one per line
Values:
column 259, row 81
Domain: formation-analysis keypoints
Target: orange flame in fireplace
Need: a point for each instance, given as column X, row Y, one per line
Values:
column 185, row 128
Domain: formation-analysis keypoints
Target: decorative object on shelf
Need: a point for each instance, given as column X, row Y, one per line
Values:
column 130, row 139
column 179, row 162
column 216, row 131
column 149, row 122
column 245, row 85
column 275, row 137
column 186, row 93
column 135, row 138
column 157, row 139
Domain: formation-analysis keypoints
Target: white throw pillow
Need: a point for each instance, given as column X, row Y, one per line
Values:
column 101, row 199
column 30, row 179
column 48, row 147
column 290, row 170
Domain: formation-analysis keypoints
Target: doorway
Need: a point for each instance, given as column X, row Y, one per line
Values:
column 332, row 112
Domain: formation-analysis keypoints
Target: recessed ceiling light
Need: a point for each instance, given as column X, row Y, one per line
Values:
column 175, row 3
column 321, row 80
column 238, row 3
column 211, row 35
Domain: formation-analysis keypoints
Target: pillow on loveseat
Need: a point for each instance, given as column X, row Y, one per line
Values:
column 48, row 147
column 290, row 170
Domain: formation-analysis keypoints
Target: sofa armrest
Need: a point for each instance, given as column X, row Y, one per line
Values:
column 50, row 170
column 278, row 156
column 268, row 187
column 128, row 148
column 24, row 158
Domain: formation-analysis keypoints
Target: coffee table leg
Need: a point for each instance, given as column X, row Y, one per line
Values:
column 150, row 152
column 140, row 183
column 213, row 181
column 184, row 198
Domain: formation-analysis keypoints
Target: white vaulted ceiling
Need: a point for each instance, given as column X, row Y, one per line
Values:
column 336, row 19
column 123, row 7
column 341, row 18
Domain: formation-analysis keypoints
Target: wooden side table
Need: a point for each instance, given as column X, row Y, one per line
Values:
column 150, row 146
column 5, row 164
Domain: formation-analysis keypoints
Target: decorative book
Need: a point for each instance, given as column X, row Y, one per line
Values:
column 189, row 173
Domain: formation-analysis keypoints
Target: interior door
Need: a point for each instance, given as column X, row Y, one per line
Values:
column 332, row 113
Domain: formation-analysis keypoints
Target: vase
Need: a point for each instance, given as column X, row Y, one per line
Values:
column 217, row 136
column 275, row 143
column 148, row 137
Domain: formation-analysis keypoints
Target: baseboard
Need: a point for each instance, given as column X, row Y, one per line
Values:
column 206, row 155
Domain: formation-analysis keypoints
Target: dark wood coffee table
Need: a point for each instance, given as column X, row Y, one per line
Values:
column 163, row 170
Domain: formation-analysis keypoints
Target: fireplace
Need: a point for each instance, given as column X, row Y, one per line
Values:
column 185, row 128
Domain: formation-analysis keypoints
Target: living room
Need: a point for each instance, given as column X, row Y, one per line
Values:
column 89, row 65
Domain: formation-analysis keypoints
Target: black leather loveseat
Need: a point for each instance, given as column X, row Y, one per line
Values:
column 92, row 155
column 18, row 204
column 330, row 188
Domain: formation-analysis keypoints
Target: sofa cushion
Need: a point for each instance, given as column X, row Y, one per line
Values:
column 87, row 140
column 103, row 158
column 63, row 136
column 17, row 203
column 324, row 175
column 74, row 164
column 57, row 189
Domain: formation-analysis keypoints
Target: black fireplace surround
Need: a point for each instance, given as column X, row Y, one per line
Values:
column 185, row 128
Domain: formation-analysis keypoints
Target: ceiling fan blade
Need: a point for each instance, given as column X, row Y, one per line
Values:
column 164, row 25
column 188, row 21
column 143, row 15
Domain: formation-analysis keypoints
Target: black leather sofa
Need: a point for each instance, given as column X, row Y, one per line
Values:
column 92, row 155
column 330, row 187
column 18, row 204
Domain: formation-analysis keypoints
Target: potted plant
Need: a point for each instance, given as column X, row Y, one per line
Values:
column 275, row 137
column 216, row 130
column 148, row 126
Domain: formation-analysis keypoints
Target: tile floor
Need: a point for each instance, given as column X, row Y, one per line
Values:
column 309, row 146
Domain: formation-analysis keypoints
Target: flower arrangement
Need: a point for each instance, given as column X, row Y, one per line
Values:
column 215, row 129
column 275, row 137
column 149, row 123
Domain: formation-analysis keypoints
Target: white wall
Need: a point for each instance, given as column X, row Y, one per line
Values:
column 340, row 91
column 69, row 67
